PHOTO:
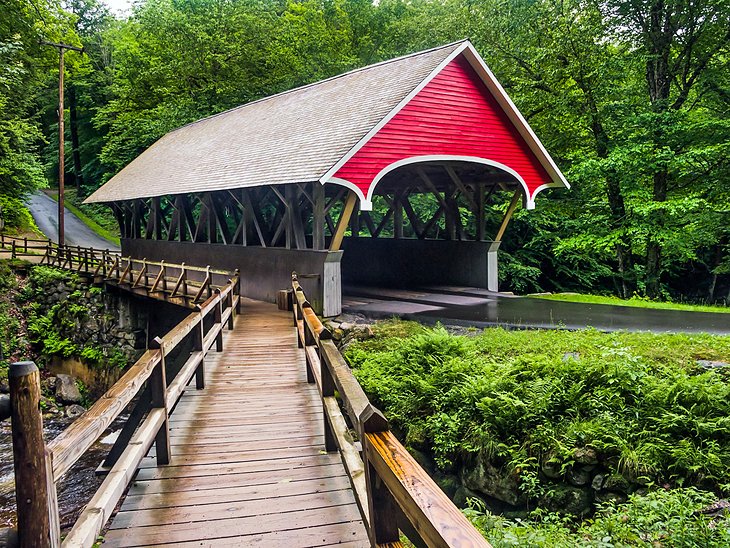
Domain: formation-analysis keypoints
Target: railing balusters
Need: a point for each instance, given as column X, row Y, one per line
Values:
column 217, row 318
column 158, row 396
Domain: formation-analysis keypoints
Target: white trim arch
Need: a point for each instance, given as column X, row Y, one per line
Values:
column 366, row 203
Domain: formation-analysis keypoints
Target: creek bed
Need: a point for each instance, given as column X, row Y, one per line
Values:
column 74, row 490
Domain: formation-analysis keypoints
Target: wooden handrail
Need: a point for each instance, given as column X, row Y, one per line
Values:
column 387, row 480
column 143, row 428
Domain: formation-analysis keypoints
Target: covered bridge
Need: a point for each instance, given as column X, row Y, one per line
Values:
column 380, row 176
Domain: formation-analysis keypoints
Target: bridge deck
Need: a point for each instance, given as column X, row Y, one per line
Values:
column 248, row 465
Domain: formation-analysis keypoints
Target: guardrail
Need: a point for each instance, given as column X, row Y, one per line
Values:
column 39, row 466
column 393, row 492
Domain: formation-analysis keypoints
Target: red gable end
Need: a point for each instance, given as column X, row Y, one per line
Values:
column 454, row 115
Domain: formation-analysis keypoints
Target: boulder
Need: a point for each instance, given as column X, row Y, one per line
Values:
column 485, row 478
column 49, row 385
column 74, row 411
column 611, row 497
column 585, row 455
column 449, row 484
column 552, row 469
column 616, row 482
column 579, row 476
column 66, row 389
column 566, row 499
column 597, row 483
column 462, row 496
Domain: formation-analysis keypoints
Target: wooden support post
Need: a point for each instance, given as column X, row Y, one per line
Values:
column 382, row 507
column 508, row 215
column 158, row 399
column 217, row 315
column 397, row 216
column 35, row 501
column 328, row 390
column 343, row 221
column 480, row 218
column 12, row 252
column 229, row 304
column 318, row 221
column 198, row 337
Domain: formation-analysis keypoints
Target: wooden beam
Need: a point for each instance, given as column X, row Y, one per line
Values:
column 318, row 220
column 397, row 215
column 368, row 220
column 508, row 215
column 343, row 221
column 415, row 221
column 295, row 217
column 188, row 219
column 480, row 218
column 256, row 218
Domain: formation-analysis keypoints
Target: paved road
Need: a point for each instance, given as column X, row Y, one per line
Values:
column 45, row 213
column 479, row 307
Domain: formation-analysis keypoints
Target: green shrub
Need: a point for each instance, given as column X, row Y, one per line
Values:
column 639, row 400
column 666, row 518
column 16, row 214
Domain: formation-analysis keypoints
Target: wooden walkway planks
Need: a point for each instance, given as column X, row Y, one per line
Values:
column 248, row 465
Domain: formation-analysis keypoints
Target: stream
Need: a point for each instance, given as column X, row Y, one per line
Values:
column 77, row 486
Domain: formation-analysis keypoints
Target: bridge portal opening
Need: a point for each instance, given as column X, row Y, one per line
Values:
column 432, row 223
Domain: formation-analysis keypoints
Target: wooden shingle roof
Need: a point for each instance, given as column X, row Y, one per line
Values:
column 292, row 137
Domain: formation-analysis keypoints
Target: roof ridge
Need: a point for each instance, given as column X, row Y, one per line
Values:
column 318, row 82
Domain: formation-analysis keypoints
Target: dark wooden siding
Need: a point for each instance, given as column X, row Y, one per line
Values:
column 454, row 114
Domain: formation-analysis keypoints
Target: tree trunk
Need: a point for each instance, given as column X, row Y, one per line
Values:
column 717, row 260
column 74, row 126
column 653, row 246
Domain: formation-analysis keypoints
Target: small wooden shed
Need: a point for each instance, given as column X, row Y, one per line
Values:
column 290, row 181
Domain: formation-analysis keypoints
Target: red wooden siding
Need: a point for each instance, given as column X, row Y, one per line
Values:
column 454, row 114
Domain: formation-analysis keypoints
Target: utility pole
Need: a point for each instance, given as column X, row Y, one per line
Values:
column 61, row 50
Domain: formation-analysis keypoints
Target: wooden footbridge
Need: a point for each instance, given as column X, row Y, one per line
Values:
column 262, row 437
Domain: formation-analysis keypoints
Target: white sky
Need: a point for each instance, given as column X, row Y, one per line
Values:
column 118, row 6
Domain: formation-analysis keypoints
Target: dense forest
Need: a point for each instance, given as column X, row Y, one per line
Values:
column 631, row 97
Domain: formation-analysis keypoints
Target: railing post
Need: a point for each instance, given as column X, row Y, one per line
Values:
column 198, row 337
column 25, row 245
column 229, row 304
column 237, row 290
column 163, row 273
column 217, row 315
column 36, row 502
column 328, row 390
column 158, row 396
column 382, row 507
column 12, row 252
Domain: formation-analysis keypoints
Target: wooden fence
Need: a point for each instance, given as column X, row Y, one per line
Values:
column 177, row 283
column 393, row 492
column 39, row 466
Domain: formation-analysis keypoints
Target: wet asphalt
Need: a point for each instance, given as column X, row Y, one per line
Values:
column 481, row 308
column 45, row 212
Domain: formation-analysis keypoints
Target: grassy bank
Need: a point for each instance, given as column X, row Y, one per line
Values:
column 636, row 302
column 531, row 401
